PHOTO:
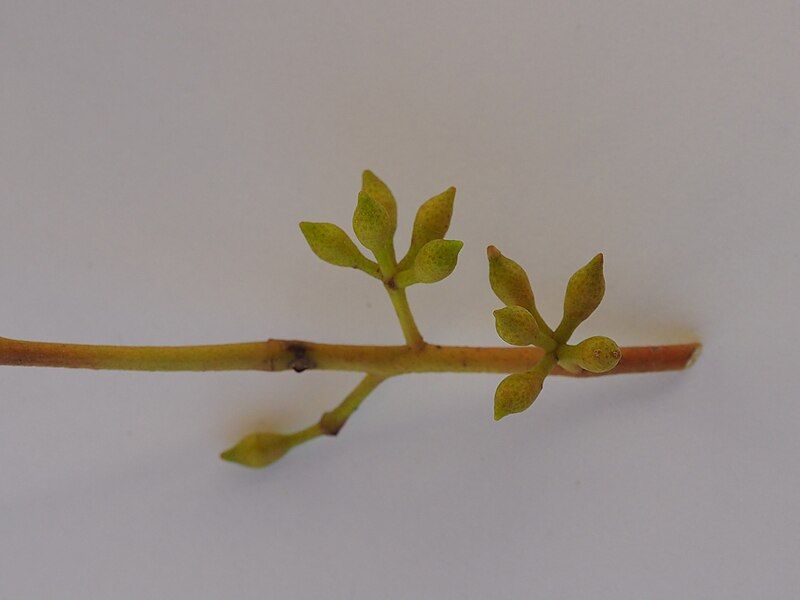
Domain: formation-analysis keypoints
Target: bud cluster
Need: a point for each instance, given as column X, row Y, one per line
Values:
column 520, row 324
column 430, row 258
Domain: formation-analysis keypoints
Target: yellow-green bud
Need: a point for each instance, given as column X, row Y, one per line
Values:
column 516, row 326
column 516, row 393
column 259, row 449
column 373, row 187
column 509, row 281
column 433, row 219
column 584, row 292
column 372, row 223
column 436, row 260
column 333, row 245
column 597, row 354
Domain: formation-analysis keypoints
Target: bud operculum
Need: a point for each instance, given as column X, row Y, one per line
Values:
column 584, row 293
column 511, row 285
column 376, row 189
column 518, row 327
column 259, row 450
column 518, row 391
column 436, row 260
column 596, row 354
column 372, row 224
column 330, row 243
column 514, row 394
column 431, row 223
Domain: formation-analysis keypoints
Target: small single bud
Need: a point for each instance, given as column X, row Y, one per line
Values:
column 509, row 281
column 333, row 245
column 597, row 354
column 516, row 393
column 584, row 292
column 373, row 187
column 433, row 219
column 436, row 260
column 372, row 223
column 259, row 450
column 516, row 326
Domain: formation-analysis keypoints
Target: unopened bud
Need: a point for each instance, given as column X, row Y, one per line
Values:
column 516, row 326
column 372, row 223
column 259, row 450
column 373, row 187
column 333, row 245
column 509, row 281
column 597, row 354
column 433, row 219
column 515, row 394
column 436, row 260
column 584, row 292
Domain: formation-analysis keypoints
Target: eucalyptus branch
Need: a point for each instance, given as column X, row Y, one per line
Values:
column 297, row 355
column 540, row 350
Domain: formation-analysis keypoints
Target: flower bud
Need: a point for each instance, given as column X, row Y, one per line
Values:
column 259, row 449
column 373, row 187
column 516, row 326
column 333, row 245
column 372, row 223
column 509, row 281
column 597, row 354
column 584, row 292
column 516, row 393
column 433, row 219
column 436, row 260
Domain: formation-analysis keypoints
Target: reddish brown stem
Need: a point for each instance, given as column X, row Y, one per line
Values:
column 281, row 355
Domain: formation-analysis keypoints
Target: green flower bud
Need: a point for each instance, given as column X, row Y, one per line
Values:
column 433, row 219
column 373, row 187
column 516, row 326
column 596, row 354
column 509, row 281
column 515, row 394
column 259, row 449
column 436, row 260
column 372, row 223
column 333, row 245
column 584, row 292
column 518, row 391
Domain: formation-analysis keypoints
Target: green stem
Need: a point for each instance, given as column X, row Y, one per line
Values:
column 564, row 331
column 332, row 422
column 403, row 310
column 309, row 433
column 285, row 355
column 388, row 264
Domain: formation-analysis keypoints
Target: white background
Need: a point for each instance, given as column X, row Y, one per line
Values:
column 155, row 159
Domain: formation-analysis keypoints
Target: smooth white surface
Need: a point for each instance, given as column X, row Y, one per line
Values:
column 155, row 160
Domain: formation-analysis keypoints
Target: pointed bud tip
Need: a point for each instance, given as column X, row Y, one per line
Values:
column 492, row 252
column 436, row 260
column 258, row 450
column 499, row 414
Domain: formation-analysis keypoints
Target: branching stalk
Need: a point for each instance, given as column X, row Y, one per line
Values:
column 538, row 350
column 285, row 355
column 406, row 318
